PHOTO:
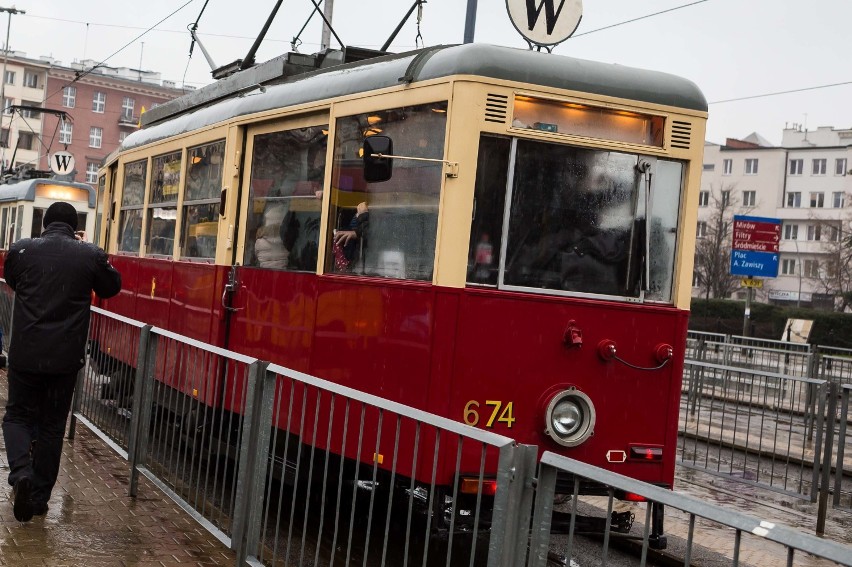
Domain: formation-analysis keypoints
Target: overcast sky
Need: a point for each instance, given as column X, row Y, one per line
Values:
column 729, row 48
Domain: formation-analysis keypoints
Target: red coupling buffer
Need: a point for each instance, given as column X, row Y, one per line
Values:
column 606, row 349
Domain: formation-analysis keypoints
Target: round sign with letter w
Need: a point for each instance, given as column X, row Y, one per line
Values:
column 62, row 163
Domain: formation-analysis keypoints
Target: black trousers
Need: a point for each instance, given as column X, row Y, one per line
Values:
column 36, row 412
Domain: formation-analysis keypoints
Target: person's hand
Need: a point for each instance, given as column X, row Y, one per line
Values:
column 342, row 237
column 80, row 235
column 361, row 208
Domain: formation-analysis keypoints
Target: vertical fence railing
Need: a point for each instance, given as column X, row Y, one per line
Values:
column 758, row 426
column 277, row 464
column 723, row 536
column 843, row 464
column 395, row 488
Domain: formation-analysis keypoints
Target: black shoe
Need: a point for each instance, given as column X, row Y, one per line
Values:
column 23, row 502
column 40, row 508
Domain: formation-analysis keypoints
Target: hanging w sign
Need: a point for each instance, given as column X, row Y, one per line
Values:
column 62, row 163
column 545, row 22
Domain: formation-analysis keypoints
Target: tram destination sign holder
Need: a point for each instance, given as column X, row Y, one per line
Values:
column 754, row 254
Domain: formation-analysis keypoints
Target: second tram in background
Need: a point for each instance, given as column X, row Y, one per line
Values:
column 522, row 264
column 24, row 202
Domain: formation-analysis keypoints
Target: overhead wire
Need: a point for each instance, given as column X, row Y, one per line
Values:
column 765, row 95
column 125, row 46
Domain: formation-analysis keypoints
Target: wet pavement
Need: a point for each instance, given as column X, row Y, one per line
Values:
column 93, row 522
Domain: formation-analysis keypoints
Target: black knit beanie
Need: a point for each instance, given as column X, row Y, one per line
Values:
column 61, row 212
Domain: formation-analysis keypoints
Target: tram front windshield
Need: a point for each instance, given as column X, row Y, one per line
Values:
column 579, row 221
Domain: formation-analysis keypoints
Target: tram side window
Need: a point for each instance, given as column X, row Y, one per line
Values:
column 130, row 218
column 285, row 199
column 665, row 206
column 4, row 217
column 162, row 205
column 20, row 222
column 38, row 220
column 486, row 227
column 394, row 234
column 201, row 201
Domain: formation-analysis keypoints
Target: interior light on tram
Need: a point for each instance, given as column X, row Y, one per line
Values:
column 374, row 119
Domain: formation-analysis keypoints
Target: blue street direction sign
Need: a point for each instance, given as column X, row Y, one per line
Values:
column 754, row 250
column 755, row 264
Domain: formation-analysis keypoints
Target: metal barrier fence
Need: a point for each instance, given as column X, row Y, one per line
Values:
column 828, row 363
column 760, row 354
column 762, row 426
column 842, row 468
column 210, row 428
column 711, row 535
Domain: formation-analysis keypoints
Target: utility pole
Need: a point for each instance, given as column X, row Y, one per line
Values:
column 470, row 21
column 326, row 31
column 12, row 11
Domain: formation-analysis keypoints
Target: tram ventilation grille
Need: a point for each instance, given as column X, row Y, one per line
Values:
column 681, row 134
column 496, row 107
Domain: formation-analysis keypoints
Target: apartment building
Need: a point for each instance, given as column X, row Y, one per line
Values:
column 21, row 141
column 101, row 106
column 807, row 183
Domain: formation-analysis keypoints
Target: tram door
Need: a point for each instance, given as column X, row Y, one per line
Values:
column 280, row 220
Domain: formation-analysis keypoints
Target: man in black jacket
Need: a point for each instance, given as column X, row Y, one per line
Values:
column 53, row 278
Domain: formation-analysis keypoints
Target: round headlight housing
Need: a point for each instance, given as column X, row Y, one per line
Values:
column 570, row 417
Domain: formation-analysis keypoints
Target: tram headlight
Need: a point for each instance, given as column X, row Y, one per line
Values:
column 570, row 418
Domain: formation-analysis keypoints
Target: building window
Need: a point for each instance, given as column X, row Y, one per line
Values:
column 4, row 138
column 127, row 105
column 726, row 198
column 749, row 198
column 838, row 199
column 840, row 166
column 10, row 77
column 31, row 79
column 794, row 199
column 814, row 231
column 817, row 200
column 709, row 167
column 98, row 102
column 69, row 97
column 91, row 172
column 791, row 232
column 7, row 106
column 30, row 113
column 751, row 166
column 701, row 229
column 703, row 198
column 796, row 166
column 788, row 267
column 833, row 233
column 819, row 166
column 95, row 136
column 727, row 166
column 66, row 130
column 25, row 141
column 121, row 137
column 811, row 268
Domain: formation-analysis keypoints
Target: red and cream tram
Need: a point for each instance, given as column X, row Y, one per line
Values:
column 528, row 273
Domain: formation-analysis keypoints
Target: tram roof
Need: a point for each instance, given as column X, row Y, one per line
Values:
column 26, row 190
column 191, row 112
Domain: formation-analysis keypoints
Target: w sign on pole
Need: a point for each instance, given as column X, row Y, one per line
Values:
column 62, row 163
column 545, row 22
